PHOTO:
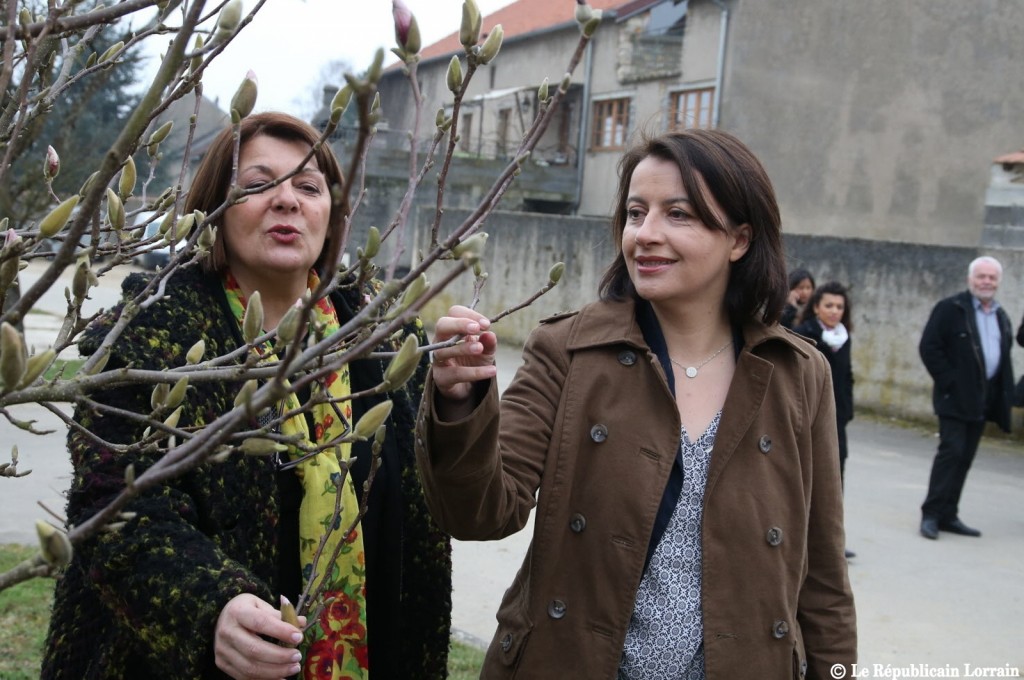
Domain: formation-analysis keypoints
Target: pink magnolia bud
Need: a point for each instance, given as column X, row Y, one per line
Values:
column 407, row 31
column 52, row 165
column 11, row 238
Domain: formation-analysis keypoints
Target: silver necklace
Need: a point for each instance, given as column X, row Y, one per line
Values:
column 691, row 371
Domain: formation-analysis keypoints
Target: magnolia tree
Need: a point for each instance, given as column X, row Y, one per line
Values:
column 47, row 53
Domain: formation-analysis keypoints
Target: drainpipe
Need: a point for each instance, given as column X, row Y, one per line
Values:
column 723, row 31
column 581, row 146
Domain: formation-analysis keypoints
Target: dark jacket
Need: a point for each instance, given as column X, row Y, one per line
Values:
column 590, row 422
column 143, row 602
column 841, row 365
column 951, row 351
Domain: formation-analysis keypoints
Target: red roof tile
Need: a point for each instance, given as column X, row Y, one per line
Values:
column 520, row 18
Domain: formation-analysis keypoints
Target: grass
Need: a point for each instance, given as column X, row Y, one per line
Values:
column 69, row 367
column 25, row 614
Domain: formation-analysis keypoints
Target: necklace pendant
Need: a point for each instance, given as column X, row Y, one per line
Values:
column 691, row 372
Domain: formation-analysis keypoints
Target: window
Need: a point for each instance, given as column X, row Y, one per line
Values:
column 504, row 123
column 692, row 108
column 465, row 132
column 611, row 123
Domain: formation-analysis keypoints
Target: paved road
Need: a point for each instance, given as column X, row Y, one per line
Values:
column 952, row 602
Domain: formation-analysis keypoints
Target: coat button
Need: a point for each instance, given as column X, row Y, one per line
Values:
column 578, row 523
column 774, row 536
column 599, row 433
column 627, row 357
column 506, row 642
column 780, row 630
column 556, row 609
column 765, row 443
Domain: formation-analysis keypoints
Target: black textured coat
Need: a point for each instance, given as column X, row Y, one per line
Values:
column 143, row 602
column 951, row 351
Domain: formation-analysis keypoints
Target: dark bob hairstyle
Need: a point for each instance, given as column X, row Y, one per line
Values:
column 212, row 179
column 740, row 185
column 798, row 276
column 831, row 288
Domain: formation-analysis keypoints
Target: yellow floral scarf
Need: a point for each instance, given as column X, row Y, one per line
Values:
column 336, row 648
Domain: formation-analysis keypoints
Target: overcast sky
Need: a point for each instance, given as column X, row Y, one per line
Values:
column 290, row 42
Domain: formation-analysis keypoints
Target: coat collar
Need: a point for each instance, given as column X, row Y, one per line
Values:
column 612, row 323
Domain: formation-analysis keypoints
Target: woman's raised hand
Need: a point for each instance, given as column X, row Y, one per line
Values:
column 456, row 368
column 239, row 647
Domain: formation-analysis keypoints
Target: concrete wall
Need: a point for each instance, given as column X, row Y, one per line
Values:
column 877, row 119
column 893, row 289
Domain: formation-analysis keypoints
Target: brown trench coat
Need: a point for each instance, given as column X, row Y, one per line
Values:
column 589, row 421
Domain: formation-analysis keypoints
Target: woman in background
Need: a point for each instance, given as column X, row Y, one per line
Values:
column 827, row 320
column 801, row 286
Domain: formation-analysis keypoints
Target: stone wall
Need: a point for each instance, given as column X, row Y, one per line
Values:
column 893, row 289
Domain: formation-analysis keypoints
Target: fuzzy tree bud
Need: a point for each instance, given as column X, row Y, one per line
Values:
column 111, row 52
column 244, row 100
column 260, row 446
column 403, row 365
column 555, row 274
column 177, row 393
column 252, row 321
column 197, row 59
column 340, row 103
column 454, row 76
column 126, row 184
column 13, row 359
column 372, row 419
column 542, row 91
column 11, row 260
column 53, row 544
column 228, row 20
column 36, row 366
column 471, row 248
column 159, row 135
column 115, row 210
column 491, row 45
column 407, row 31
column 51, row 168
column 58, row 217
column 469, row 29
column 195, row 353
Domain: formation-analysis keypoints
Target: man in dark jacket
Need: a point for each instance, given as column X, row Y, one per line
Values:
column 966, row 349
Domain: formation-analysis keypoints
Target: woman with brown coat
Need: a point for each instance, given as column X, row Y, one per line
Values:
column 678, row 445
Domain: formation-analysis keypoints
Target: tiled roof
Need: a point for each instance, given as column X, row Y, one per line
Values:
column 520, row 18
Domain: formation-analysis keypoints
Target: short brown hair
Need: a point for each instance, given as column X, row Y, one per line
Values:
column 740, row 185
column 830, row 288
column 211, row 182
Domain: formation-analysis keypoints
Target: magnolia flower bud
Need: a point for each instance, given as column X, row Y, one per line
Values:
column 12, row 356
column 115, row 210
column 584, row 12
column 53, row 544
column 471, row 248
column 288, row 614
column 172, row 420
column 36, row 366
column 158, row 397
column 372, row 419
column 563, row 87
column 111, row 51
column 454, row 76
column 165, row 224
column 469, row 30
column 230, row 16
column 177, row 393
column 288, row 326
column 244, row 395
column 252, row 321
column 195, row 353
column 555, row 274
column 129, row 471
column 403, row 365
column 197, row 60
column 542, row 91
column 491, row 45
column 83, row 279
column 340, row 103
column 100, row 364
column 160, row 134
column 57, row 218
column 372, row 243
column 51, row 168
column 11, row 253
column 591, row 26
column 126, row 184
column 259, row 446
column 244, row 100
column 207, row 237
column 407, row 31
column 181, row 229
